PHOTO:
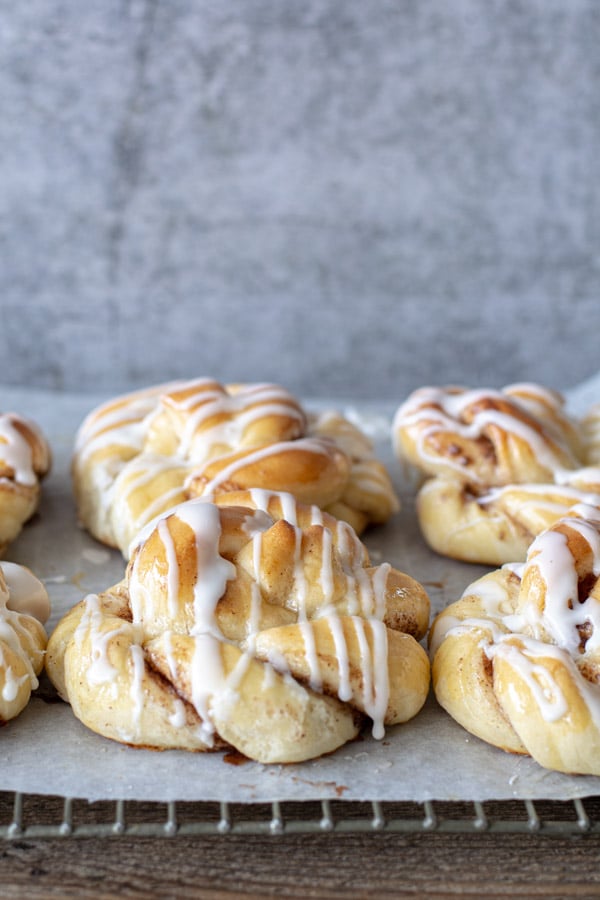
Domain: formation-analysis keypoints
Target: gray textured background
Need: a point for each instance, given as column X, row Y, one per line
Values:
column 350, row 197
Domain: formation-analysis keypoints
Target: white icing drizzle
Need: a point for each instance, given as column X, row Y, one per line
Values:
column 122, row 424
column 443, row 412
column 300, row 584
column 373, row 664
column 262, row 498
column 326, row 575
column 198, row 424
column 100, row 669
column 137, row 683
column 208, row 683
column 12, row 684
column 139, row 473
column 172, row 568
column 539, row 496
column 311, row 655
column 170, row 656
column 369, row 479
column 561, row 614
column 365, row 594
column 213, row 571
column 586, row 478
column 367, row 601
column 270, row 673
column 15, row 450
column 342, row 656
column 591, row 431
column 211, row 690
column 375, row 672
column 494, row 631
column 16, row 635
column 126, row 421
column 21, row 594
column 10, row 629
column 546, row 692
column 234, row 412
column 141, row 597
column 548, row 621
column 228, row 472
column 207, row 679
column 255, row 525
column 177, row 719
column 379, row 583
column 362, row 595
column 256, row 596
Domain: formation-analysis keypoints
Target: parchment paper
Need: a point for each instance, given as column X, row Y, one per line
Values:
column 47, row 751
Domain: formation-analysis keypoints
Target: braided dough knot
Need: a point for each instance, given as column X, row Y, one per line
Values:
column 24, row 608
column 499, row 467
column 590, row 427
column 251, row 621
column 516, row 660
column 24, row 461
column 139, row 455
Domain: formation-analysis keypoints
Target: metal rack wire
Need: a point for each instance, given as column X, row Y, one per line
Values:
column 71, row 818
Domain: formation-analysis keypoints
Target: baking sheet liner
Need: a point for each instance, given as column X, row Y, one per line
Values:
column 47, row 751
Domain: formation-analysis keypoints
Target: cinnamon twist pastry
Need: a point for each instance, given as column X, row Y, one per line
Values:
column 140, row 454
column 253, row 622
column 590, row 425
column 24, row 608
column 516, row 661
column 499, row 467
column 24, row 461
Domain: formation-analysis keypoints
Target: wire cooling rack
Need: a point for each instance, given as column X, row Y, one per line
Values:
column 31, row 816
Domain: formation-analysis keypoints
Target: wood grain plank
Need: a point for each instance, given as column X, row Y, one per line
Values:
column 319, row 866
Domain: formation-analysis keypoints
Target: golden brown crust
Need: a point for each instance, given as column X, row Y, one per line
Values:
column 25, row 460
column 140, row 454
column 516, row 660
column 24, row 607
column 498, row 467
column 253, row 621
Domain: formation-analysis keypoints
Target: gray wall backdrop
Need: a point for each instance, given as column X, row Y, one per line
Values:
column 350, row 197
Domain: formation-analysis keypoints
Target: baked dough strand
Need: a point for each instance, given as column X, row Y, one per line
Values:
column 516, row 661
column 497, row 467
column 251, row 621
column 24, row 608
column 24, row 461
column 141, row 454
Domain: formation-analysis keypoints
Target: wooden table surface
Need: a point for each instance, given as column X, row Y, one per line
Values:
column 437, row 864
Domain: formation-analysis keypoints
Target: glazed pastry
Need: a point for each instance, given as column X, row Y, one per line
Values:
column 24, row 461
column 590, row 425
column 24, row 608
column 252, row 622
column 140, row 454
column 498, row 467
column 516, row 661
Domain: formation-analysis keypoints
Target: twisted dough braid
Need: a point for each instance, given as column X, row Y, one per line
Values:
column 252, row 621
column 516, row 660
column 139, row 455
column 590, row 425
column 24, row 461
column 24, row 607
column 499, row 467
